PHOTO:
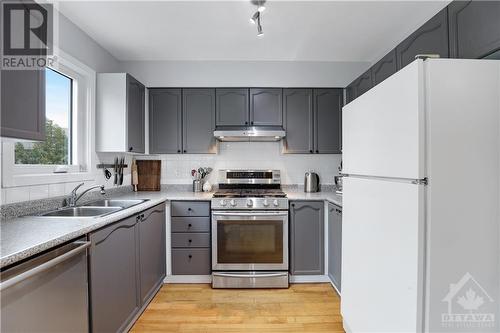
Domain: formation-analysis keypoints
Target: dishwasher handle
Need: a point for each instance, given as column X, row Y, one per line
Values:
column 83, row 245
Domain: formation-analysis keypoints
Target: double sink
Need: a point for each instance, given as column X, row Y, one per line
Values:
column 96, row 208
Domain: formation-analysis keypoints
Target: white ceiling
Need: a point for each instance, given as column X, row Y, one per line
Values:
column 220, row 30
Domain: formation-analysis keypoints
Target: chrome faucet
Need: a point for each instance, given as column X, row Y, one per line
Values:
column 73, row 197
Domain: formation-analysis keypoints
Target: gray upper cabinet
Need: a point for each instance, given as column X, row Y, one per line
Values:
column 152, row 250
column 265, row 107
column 23, row 104
column 298, row 120
column 327, row 121
column 306, row 237
column 335, row 244
column 474, row 28
column 135, row 115
column 359, row 86
column 120, row 103
column 165, row 121
column 198, row 121
column 232, row 107
column 114, row 276
column 384, row 68
column 430, row 38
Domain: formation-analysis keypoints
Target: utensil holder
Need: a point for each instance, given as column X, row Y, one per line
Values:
column 197, row 185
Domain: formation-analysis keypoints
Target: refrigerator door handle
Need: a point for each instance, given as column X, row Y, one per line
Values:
column 415, row 181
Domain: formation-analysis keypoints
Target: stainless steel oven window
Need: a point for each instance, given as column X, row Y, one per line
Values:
column 250, row 241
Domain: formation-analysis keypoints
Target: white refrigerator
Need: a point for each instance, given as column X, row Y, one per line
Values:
column 420, row 242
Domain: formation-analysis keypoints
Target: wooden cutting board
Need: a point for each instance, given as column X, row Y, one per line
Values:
column 149, row 172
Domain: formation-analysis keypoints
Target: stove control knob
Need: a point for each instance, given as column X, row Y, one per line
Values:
column 265, row 203
column 275, row 203
column 249, row 203
column 223, row 202
column 232, row 202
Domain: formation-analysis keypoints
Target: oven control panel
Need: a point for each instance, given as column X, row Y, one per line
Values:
column 250, row 203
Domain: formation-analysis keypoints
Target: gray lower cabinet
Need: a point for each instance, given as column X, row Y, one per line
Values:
column 298, row 121
column 306, row 237
column 152, row 251
column 114, row 276
column 198, row 121
column 335, row 244
column 474, row 28
column 384, row 68
column 430, row 38
column 165, row 121
column 232, row 107
column 135, row 115
column 265, row 107
column 23, row 104
column 191, row 249
column 327, row 121
column 127, row 265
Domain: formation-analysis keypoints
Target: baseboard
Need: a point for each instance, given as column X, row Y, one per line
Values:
column 346, row 327
column 188, row 279
column 334, row 287
column 309, row 278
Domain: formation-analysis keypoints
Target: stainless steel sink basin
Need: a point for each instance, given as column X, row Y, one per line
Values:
column 82, row 211
column 125, row 203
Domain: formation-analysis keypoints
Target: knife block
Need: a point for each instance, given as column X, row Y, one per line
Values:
column 149, row 173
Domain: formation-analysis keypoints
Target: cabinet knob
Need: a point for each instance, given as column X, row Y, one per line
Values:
column 178, row 150
column 130, row 148
column 293, row 205
column 190, row 225
column 190, row 240
column 317, row 151
column 190, row 256
column 311, row 151
column 185, row 150
column 251, row 122
column 190, row 209
column 246, row 122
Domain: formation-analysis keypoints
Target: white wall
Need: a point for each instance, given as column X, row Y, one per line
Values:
column 244, row 73
column 176, row 169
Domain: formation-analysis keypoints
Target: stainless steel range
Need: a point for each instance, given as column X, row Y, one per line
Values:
column 249, row 230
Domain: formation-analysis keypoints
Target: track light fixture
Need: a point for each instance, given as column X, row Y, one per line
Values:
column 257, row 15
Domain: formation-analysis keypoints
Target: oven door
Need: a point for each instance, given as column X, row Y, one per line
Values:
column 250, row 241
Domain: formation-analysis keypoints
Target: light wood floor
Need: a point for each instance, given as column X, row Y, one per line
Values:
column 199, row 308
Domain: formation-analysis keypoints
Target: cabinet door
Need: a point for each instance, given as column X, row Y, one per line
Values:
column 165, row 121
column 265, row 107
column 430, row 38
column 335, row 244
column 152, row 250
column 198, row 120
column 232, row 107
column 306, row 237
column 327, row 121
column 114, row 276
column 135, row 115
column 384, row 68
column 474, row 28
column 298, row 120
column 23, row 104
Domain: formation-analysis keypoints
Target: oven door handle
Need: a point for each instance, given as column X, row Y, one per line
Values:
column 263, row 275
column 285, row 213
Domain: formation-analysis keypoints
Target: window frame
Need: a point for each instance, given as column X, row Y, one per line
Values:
column 82, row 132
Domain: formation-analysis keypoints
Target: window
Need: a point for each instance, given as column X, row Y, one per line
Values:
column 70, row 101
column 56, row 149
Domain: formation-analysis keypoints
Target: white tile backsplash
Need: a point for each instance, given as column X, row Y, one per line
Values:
column 176, row 169
column 17, row 194
column 39, row 192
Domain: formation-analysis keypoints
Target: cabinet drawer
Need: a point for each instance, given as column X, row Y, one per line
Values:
column 190, row 240
column 191, row 261
column 189, row 208
column 190, row 224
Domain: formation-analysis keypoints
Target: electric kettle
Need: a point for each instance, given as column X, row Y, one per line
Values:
column 311, row 182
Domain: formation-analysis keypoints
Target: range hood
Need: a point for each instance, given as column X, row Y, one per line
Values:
column 254, row 133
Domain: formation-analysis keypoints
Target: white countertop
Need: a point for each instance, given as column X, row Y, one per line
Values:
column 26, row 236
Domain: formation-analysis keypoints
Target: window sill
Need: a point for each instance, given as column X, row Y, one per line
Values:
column 47, row 178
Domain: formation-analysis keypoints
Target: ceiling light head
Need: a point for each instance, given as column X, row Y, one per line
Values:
column 255, row 17
column 259, row 30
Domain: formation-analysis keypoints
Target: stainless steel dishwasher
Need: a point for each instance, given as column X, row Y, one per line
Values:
column 48, row 293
